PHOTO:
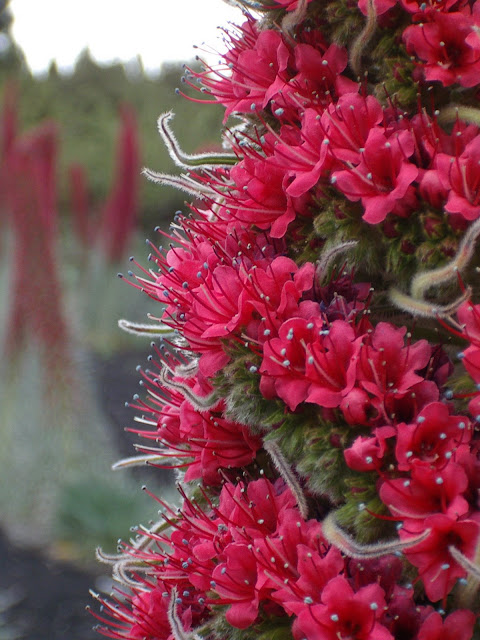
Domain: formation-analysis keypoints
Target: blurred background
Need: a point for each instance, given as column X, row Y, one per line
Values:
column 81, row 87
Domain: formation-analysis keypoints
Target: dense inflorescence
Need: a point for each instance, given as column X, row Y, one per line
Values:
column 316, row 383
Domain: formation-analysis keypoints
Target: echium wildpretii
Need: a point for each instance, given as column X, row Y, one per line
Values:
column 315, row 382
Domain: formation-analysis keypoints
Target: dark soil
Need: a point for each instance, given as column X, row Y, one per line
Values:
column 43, row 599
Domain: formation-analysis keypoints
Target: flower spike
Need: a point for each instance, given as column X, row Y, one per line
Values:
column 338, row 538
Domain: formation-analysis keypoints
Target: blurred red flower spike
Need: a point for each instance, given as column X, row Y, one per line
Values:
column 32, row 196
column 79, row 202
column 120, row 212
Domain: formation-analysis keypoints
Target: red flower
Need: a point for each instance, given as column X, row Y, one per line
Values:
column 432, row 439
column 366, row 453
column 449, row 47
column 383, row 176
column 235, row 581
column 456, row 626
column 436, row 566
column 388, row 368
column 260, row 199
column 311, row 364
column 460, row 179
column 427, row 492
column 344, row 614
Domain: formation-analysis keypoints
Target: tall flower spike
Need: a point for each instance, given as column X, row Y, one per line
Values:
column 423, row 281
column 284, row 469
column 338, row 538
column 186, row 160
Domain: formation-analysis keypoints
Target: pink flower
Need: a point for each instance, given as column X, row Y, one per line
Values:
column 260, row 198
column 432, row 439
column 290, row 5
column 387, row 367
column 456, row 626
column 331, row 364
column 344, row 614
column 235, row 581
column 427, row 492
column 259, row 62
column 383, row 176
column 366, row 453
column 436, row 566
column 311, row 364
column 448, row 46
column 459, row 177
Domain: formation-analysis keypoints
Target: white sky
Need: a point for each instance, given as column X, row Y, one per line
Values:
column 158, row 30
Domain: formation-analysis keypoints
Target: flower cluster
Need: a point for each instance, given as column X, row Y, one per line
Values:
column 316, row 299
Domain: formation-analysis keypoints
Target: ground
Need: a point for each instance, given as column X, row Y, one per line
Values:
column 45, row 599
